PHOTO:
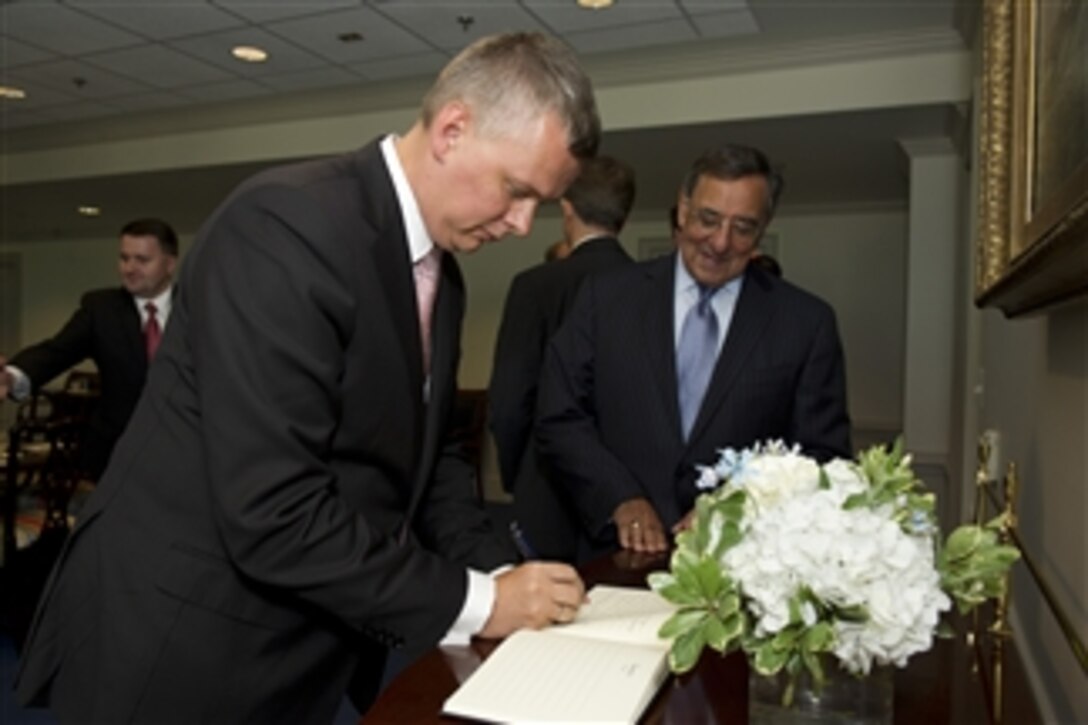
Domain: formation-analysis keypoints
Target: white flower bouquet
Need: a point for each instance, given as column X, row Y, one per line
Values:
column 792, row 561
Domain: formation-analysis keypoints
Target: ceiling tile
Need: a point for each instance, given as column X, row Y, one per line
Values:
column 381, row 38
column 631, row 36
column 61, row 29
column 390, row 68
column 231, row 90
column 701, row 7
column 721, row 25
column 283, row 57
column 16, row 54
column 312, row 79
column 66, row 75
column 74, row 112
column 147, row 101
column 37, row 95
column 568, row 16
column 266, row 11
column 161, row 19
column 444, row 25
column 160, row 67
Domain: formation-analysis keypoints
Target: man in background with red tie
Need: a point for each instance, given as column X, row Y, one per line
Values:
column 118, row 328
column 286, row 506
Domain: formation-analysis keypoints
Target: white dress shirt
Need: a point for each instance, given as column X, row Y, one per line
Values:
column 686, row 294
column 481, row 588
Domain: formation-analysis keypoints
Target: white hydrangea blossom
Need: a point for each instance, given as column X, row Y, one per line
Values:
column 796, row 534
column 777, row 475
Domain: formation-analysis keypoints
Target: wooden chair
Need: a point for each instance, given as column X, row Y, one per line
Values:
column 42, row 458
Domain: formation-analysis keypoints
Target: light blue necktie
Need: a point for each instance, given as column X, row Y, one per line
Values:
column 695, row 357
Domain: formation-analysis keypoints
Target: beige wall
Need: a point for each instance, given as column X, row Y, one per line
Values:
column 1034, row 391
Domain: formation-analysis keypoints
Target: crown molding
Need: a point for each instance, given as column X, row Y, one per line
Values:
column 689, row 60
column 751, row 53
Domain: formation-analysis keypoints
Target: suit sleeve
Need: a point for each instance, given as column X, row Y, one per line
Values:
column 274, row 298
column 73, row 344
column 821, row 423
column 567, row 433
column 515, row 374
column 452, row 519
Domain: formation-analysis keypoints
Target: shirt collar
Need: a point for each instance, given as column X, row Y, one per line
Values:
column 161, row 301
column 686, row 284
column 419, row 241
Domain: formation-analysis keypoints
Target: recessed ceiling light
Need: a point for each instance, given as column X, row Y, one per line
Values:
column 12, row 93
column 89, row 211
column 249, row 53
column 595, row 4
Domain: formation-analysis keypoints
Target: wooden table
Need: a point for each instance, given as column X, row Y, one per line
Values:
column 939, row 686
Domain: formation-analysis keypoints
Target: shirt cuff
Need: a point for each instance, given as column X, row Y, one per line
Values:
column 20, row 384
column 479, row 601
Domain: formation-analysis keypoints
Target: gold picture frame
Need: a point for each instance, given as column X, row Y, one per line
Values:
column 1032, row 238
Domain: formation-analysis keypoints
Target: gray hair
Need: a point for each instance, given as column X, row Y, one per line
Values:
column 733, row 161
column 508, row 80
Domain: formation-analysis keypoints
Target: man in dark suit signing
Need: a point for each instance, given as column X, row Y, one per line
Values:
column 594, row 208
column 281, row 510
column 660, row 364
column 112, row 328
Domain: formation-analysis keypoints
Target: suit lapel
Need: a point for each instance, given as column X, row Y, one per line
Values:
column 657, row 311
column 130, row 331
column 445, row 337
column 753, row 312
column 389, row 251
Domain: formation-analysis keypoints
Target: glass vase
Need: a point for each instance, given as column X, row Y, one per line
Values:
column 844, row 698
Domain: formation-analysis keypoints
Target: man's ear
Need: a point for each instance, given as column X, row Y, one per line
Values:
column 682, row 206
column 566, row 207
column 449, row 128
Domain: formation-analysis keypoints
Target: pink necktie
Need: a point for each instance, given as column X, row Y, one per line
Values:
column 152, row 331
column 426, row 275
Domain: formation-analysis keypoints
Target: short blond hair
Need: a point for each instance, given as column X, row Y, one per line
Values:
column 510, row 80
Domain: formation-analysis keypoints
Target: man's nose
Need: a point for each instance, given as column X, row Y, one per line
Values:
column 520, row 216
column 722, row 237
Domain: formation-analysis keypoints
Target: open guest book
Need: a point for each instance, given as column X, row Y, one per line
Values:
column 605, row 666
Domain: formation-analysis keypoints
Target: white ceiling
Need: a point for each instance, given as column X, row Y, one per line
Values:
column 95, row 61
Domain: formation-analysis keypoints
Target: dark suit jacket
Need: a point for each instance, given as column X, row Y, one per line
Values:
column 609, row 422
column 106, row 329
column 537, row 302
column 269, row 521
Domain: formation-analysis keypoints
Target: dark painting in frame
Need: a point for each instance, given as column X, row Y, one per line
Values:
column 1032, row 239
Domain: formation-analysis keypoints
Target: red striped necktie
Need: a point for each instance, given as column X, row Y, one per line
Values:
column 152, row 331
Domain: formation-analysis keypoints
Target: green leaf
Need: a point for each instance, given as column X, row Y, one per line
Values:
column 820, row 637
column 729, row 604
column 686, row 649
column 855, row 501
column 815, row 668
column 769, row 660
column 710, row 579
column 786, row 638
column 677, row 594
column 733, row 626
column 963, row 542
column 854, row 613
column 681, row 622
column 717, row 636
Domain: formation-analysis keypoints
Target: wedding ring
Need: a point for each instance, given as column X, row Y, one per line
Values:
column 636, row 525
